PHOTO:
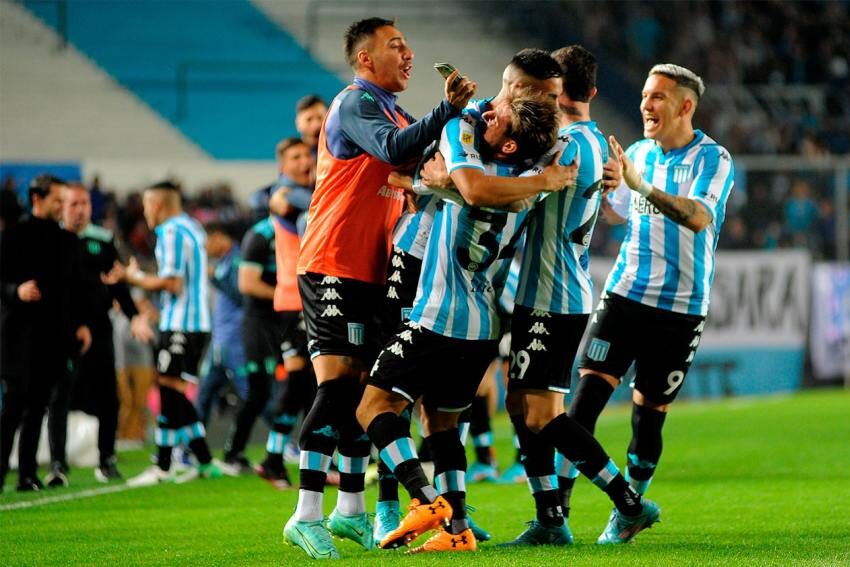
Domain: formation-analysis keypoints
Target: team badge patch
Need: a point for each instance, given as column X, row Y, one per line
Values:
column 681, row 173
column 598, row 350
column 355, row 333
column 467, row 137
column 405, row 313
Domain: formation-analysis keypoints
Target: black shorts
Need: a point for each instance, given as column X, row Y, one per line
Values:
column 295, row 341
column 661, row 343
column 444, row 371
column 543, row 349
column 179, row 354
column 263, row 336
column 341, row 316
column 402, row 281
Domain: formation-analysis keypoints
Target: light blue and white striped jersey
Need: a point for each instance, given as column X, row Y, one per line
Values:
column 469, row 252
column 181, row 252
column 554, row 275
column 413, row 228
column 507, row 300
column 661, row 263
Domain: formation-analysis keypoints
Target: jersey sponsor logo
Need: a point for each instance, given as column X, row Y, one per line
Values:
column 396, row 349
column 644, row 207
column 397, row 262
column 356, row 332
column 467, row 137
column 538, row 328
column 540, row 314
column 536, row 345
column 395, row 277
column 392, row 293
column 330, row 280
column 331, row 294
column 470, row 156
column 681, row 172
column 391, row 193
column 331, row 311
column 598, row 350
column 406, row 336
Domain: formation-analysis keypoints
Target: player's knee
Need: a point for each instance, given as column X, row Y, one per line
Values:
column 439, row 421
column 640, row 400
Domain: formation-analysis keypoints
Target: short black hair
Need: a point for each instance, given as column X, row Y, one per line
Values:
column 360, row 31
column 41, row 185
column 536, row 63
column 165, row 185
column 308, row 101
column 578, row 66
column 221, row 227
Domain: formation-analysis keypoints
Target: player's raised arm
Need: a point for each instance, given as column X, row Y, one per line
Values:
column 687, row 212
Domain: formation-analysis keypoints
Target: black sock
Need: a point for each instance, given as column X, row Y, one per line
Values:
column 479, row 430
column 565, row 493
column 645, row 447
column 592, row 394
column 387, row 483
column 163, row 457
column 449, row 474
column 539, row 463
column 320, row 430
column 274, row 462
column 623, row 496
column 388, row 429
column 201, row 450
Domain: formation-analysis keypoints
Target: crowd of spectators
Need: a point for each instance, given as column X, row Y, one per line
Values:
column 778, row 71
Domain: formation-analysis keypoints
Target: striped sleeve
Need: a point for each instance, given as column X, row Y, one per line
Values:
column 713, row 180
column 169, row 254
column 459, row 145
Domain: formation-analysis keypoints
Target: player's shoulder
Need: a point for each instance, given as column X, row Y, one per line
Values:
column 95, row 232
column 263, row 227
column 709, row 149
column 354, row 99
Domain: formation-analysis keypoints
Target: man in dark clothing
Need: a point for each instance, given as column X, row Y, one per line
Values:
column 44, row 308
column 94, row 387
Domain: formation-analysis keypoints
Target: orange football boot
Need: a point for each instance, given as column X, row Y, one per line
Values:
column 420, row 519
column 445, row 541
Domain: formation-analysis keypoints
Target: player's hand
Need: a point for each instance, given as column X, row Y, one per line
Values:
column 117, row 274
column 435, row 174
column 556, row 177
column 630, row 174
column 140, row 329
column 612, row 174
column 83, row 335
column 401, row 180
column 28, row 292
column 132, row 270
column 278, row 203
column 459, row 94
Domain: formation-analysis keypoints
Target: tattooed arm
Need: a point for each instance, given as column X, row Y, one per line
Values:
column 687, row 212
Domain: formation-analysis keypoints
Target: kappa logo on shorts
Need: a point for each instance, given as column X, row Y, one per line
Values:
column 536, row 345
column 331, row 294
column 331, row 311
column 406, row 336
column 538, row 328
column 395, row 277
column 329, row 280
column 178, row 338
column 396, row 349
column 356, row 331
column 598, row 350
column 392, row 293
column 540, row 314
column 397, row 262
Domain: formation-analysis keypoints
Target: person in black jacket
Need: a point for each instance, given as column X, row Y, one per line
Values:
column 94, row 387
column 43, row 315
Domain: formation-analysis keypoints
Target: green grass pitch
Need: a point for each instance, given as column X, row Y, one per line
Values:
column 749, row 481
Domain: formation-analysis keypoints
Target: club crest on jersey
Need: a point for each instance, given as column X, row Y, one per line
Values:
column 355, row 333
column 405, row 313
column 681, row 172
column 598, row 350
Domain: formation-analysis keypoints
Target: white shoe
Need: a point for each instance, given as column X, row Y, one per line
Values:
column 151, row 476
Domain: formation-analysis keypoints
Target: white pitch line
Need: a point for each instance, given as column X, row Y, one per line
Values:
column 66, row 497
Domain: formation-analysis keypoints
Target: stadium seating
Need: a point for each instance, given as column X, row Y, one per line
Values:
column 227, row 77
